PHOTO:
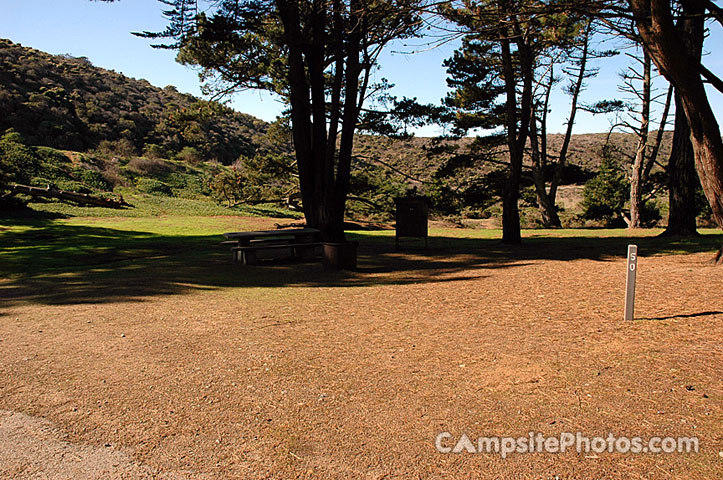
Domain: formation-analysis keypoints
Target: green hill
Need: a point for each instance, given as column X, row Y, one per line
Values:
column 67, row 103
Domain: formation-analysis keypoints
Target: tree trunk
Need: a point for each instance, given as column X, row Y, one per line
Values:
column 353, row 97
column 511, row 232
column 510, row 198
column 548, row 210
column 300, row 109
column 79, row 198
column 323, row 170
column 635, row 194
column 516, row 137
column 682, row 179
column 636, row 178
column 655, row 24
column 546, row 200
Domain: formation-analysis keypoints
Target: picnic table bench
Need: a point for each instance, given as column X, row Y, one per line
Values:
column 245, row 245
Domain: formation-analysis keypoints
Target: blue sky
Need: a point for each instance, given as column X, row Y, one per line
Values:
column 101, row 32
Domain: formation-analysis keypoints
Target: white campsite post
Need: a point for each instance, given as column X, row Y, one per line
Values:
column 630, row 282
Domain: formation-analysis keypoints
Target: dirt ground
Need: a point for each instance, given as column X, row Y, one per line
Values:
column 286, row 371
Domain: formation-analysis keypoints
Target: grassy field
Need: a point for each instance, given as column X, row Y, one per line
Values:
column 137, row 335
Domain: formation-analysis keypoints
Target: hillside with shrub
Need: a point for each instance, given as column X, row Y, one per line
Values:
column 80, row 128
column 466, row 182
column 67, row 103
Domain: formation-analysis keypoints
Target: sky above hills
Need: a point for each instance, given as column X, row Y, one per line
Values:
column 101, row 32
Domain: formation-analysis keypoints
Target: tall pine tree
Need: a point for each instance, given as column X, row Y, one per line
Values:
column 317, row 55
column 493, row 78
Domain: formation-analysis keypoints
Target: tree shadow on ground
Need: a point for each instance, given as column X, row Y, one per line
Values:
column 682, row 315
column 49, row 262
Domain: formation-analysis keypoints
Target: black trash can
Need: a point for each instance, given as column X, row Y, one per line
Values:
column 412, row 218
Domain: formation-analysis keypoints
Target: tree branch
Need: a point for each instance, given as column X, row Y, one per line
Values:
column 711, row 78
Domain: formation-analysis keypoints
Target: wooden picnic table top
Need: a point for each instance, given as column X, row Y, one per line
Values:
column 272, row 233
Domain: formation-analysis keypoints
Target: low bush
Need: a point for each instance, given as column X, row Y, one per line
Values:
column 51, row 156
column 153, row 187
column 153, row 167
column 605, row 194
column 112, row 175
column 155, row 151
column 121, row 147
column 93, row 179
column 18, row 162
column 650, row 214
column 189, row 154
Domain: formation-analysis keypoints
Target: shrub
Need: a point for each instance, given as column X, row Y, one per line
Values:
column 94, row 179
column 154, row 151
column 570, row 219
column 228, row 186
column 263, row 177
column 72, row 186
column 376, row 186
column 650, row 213
column 53, row 164
column 442, row 198
column 153, row 187
column 121, row 147
column 477, row 193
column 178, row 180
column 530, row 217
column 41, row 182
column 473, row 213
column 605, row 194
column 528, row 195
column 190, row 155
column 112, row 175
column 196, row 188
column 18, row 162
column 703, row 210
column 52, row 156
column 149, row 166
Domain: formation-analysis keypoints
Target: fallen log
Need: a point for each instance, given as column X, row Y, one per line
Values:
column 80, row 198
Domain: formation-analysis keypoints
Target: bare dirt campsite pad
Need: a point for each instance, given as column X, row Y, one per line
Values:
column 131, row 348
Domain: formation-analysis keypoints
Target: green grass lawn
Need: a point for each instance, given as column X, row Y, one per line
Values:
column 83, row 254
column 62, row 238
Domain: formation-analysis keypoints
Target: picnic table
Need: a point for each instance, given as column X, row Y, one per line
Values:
column 300, row 241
